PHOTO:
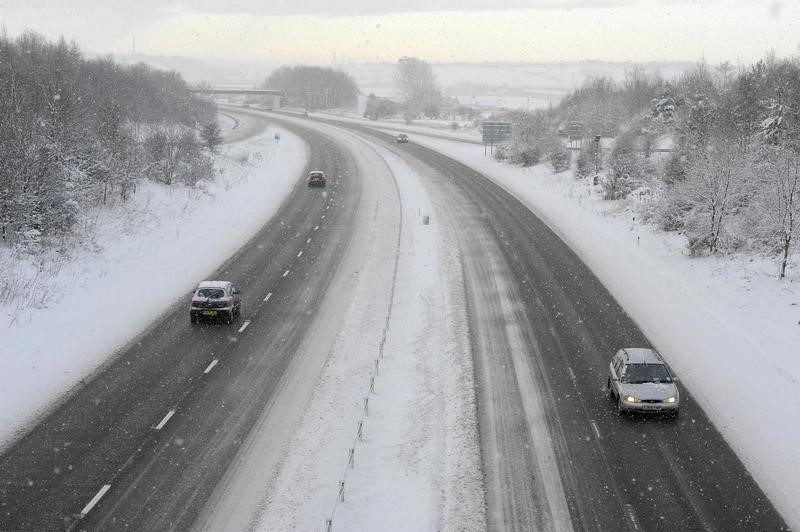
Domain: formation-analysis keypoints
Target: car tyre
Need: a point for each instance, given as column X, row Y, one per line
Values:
column 193, row 320
column 610, row 389
column 620, row 411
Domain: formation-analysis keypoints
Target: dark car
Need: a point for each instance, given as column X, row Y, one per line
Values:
column 215, row 300
column 402, row 138
column 317, row 178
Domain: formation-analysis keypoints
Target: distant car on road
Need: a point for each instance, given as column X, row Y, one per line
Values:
column 214, row 300
column 402, row 138
column 317, row 178
column 639, row 381
column 305, row 114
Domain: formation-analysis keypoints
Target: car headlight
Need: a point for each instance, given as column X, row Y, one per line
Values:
column 632, row 399
column 670, row 399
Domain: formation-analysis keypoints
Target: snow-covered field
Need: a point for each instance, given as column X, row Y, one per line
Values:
column 726, row 325
column 72, row 312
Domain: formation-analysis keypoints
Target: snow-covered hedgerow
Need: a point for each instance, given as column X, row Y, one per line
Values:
column 70, row 135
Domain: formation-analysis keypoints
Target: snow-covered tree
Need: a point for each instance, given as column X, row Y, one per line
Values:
column 777, row 203
column 716, row 186
column 416, row 83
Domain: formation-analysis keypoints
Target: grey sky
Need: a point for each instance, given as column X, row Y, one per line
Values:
column 315, row 31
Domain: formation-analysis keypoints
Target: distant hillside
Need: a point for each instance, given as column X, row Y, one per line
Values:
column 515, row 85
column 531, row 84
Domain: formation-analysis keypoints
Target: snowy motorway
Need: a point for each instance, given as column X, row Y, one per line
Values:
column 489, row 407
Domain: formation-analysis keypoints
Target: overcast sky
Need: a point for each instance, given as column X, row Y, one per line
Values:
column 312, row 31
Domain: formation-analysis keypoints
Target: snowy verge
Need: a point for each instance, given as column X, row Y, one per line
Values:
column 162, row 242
column 417, row 464
column 727, row 326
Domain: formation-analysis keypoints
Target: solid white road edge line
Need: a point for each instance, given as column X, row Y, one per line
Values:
column 244, row 325
column 596, row 430
column 95, row 500
column 268, row 296
column 164, row 421
column 286, row 273
column 211, row 366
column 572, row 375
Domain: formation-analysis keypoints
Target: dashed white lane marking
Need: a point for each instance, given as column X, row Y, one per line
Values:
column 211, row 366
column 316, row 227
column 596, row 430
column 629, row 508
column 286, row 273
column 309, row 240
column 572, row 375
column 95, row 500
column 299, row 254
column 244, row 325
column 323, row 217
column 164, row 421
column 327, row 207
column 268, row 296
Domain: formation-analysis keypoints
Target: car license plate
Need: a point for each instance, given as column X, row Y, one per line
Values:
column 209, row 313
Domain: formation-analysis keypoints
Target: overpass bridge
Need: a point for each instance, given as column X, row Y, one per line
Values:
column 273, row 95
column 236, row 91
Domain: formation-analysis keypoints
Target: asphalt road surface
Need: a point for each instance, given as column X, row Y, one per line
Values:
column 166, row 416
column 556, row 455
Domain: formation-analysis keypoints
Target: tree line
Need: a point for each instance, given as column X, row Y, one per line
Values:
column 74, row 132
column 313, row 87
column 731, row 180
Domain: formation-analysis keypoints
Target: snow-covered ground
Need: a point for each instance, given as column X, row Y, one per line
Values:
column 417, row 466
column 727, row 326
column 72, row 312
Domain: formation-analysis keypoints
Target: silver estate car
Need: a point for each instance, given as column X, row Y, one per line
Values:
column 639, row 381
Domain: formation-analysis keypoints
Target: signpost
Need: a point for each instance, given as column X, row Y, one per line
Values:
column 575, row 134
column 494, row 133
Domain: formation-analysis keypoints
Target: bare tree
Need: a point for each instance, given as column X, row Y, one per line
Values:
column 417, row 85
column 716, row 185
column 211, row 135
column 777, row 204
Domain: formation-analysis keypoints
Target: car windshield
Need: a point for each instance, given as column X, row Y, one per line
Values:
column 642, row 373
column 213, row 293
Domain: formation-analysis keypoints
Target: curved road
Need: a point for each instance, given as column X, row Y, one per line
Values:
column 555, row 454
column 217, row 380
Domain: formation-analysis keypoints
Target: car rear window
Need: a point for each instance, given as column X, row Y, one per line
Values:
column 213, row 293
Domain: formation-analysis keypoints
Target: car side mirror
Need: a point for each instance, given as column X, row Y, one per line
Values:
column 237, row 291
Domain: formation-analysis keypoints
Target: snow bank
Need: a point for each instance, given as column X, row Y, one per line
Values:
column 727, row 326
column 417, row 466
column 81, row 311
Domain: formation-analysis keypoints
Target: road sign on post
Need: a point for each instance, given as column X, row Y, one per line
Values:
column 575, row 133
column 495, row 132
